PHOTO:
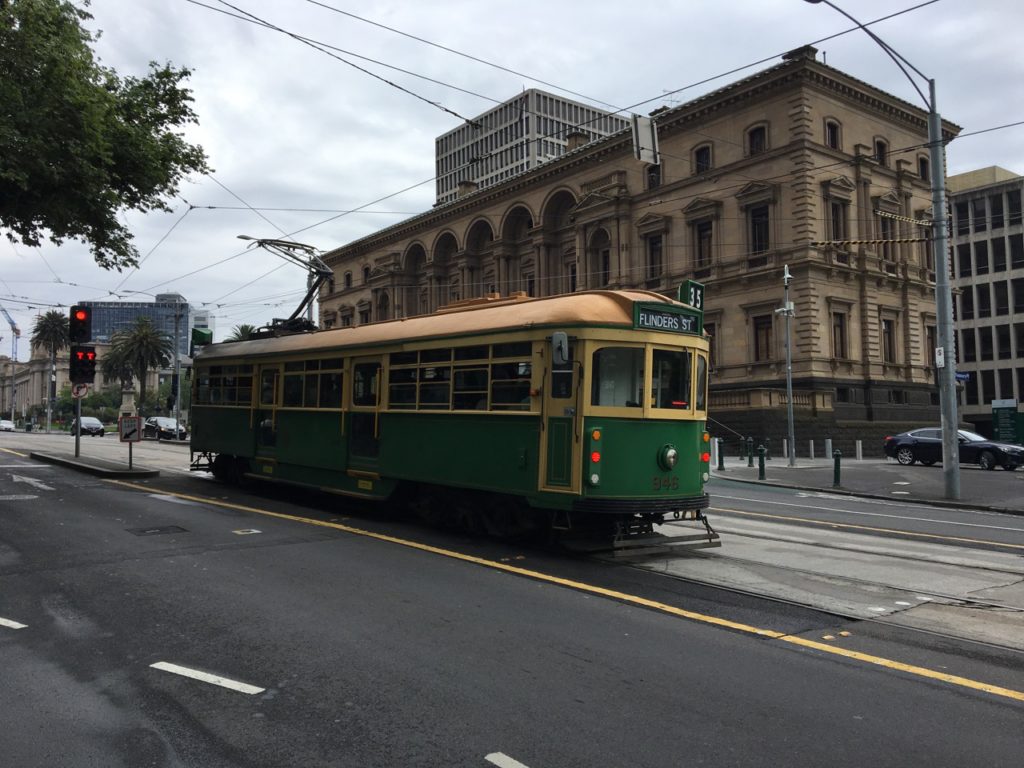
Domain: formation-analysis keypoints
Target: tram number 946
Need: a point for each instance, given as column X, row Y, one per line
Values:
column 665, row 483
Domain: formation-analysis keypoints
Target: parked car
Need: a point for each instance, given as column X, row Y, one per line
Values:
column 925, row 445
column 90, row 426
column 6, row 425
column 163, row 428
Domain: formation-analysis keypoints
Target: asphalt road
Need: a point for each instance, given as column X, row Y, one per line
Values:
column 375, row 642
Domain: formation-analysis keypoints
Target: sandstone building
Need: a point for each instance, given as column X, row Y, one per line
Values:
column 796, row 165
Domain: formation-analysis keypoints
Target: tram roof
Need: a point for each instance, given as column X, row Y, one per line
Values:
column 602, row 308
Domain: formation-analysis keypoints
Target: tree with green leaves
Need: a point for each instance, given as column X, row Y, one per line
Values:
column 78, row 143
column 142, row 347
column 242, row 332
column 51, row 332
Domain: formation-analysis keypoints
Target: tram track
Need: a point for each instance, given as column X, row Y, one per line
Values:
column 933, row 596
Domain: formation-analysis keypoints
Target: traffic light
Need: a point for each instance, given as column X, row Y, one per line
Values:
column 80, row 328
column 83, row 364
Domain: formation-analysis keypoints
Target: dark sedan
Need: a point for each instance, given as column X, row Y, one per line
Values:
column 163, row 428
column 90, row 426
column 925, row 445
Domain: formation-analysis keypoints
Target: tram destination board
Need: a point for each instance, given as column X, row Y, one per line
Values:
column 675, row 320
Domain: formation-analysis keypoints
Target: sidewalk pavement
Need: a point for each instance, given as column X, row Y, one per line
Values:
column 996, row 490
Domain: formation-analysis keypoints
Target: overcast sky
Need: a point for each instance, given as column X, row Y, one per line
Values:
column 287, row 127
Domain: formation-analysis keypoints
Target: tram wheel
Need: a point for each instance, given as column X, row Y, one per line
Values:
column 221, row 467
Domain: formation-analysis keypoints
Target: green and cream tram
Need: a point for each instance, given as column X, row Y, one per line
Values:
column 576, row 412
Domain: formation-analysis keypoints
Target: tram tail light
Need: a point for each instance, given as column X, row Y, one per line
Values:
column 594, row 448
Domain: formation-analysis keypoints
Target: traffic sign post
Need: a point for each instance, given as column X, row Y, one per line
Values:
column 129, row 429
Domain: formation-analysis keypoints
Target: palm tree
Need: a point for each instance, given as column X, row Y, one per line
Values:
column 116, row 367
column 52, row 333
column 242, row 332
column 141, row 348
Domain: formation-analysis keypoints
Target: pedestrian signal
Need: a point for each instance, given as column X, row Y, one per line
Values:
column 83, row 364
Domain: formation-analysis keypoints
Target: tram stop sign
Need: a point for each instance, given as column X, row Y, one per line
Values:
column 129, row 428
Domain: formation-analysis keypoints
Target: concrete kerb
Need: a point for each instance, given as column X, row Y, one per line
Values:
column 92, row 466
column 944, row 503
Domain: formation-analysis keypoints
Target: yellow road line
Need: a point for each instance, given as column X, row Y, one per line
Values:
column 16, row 453
column 853, row 526
column 624, row 597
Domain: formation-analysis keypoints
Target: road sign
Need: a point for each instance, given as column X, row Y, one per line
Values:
column 963, row 376
column 130, row 429
column 79, row 390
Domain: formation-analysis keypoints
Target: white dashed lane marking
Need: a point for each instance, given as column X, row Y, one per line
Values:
column 12, row 624
column 502, row 760
column 206, row 677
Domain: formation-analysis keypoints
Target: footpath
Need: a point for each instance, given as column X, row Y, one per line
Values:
column 996, row 490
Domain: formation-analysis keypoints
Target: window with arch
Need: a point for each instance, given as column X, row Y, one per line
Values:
column 757, row 140
column 882, row 152
column 702, row 159
column 653, row 176
column 833, row 135
column 348, row 279
column 923, row 168
column 366, row 274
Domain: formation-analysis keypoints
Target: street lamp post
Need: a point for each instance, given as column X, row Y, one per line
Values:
column 787, row 310
column 945, row 359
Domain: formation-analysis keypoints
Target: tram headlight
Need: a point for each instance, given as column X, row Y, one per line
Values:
column 668, row 456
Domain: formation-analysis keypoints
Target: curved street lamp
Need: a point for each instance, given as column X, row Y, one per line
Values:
column 945, row 356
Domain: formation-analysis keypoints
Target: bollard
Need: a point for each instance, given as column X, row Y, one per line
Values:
column 828, row 447
column 768, row 448
column 810, row 449
column 838, row 456
column 860, row 451
column 750, row 451
column 721, row 455
column 760, row 462
column 785, row 448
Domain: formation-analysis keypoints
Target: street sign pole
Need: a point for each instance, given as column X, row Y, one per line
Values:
column 78, row 425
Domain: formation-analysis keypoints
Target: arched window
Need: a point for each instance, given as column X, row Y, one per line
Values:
column 348, row 279
column 702, row 160
column 882, row 152
column 757, row 140
column 833, row 137
column 923, row 168
column 366, row 275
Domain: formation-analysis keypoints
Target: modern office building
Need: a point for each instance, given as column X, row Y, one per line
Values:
column 204, row 320
column 798, row 165
column 988, row 276
column 168, row 311
column 524, row 132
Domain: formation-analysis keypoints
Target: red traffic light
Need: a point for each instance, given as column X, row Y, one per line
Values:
column 80, row 325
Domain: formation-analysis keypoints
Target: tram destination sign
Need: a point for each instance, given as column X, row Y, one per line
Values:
column 659, row 318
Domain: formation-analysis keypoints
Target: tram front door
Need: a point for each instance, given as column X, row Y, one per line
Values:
column 560, row 444
column 265, row 417
column 364, row 434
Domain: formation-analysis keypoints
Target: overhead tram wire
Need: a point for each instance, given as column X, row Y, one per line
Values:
column 374, row 75
column 460, row 53
column 315, row 43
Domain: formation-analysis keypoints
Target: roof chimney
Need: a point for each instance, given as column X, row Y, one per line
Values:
column 576, row 139
column 466, row 187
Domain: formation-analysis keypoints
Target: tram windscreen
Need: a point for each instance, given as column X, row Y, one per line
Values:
column 672, row 379
column 618, row 377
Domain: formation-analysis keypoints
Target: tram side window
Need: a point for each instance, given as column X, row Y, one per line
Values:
column 402, row 388
column 224, row 385
column 364, row 384
column 672, row 380
column 435, row 386
column 702, row 383
column 470, row 388
column 268, row 385
column 618, row 377
column 510, row 386
column 330, row 390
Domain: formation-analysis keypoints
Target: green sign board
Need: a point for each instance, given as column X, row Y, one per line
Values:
column 691, row 292
column 1005, row 421
column 670, row 319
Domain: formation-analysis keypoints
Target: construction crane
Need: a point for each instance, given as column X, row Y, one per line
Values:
column 15, row 333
